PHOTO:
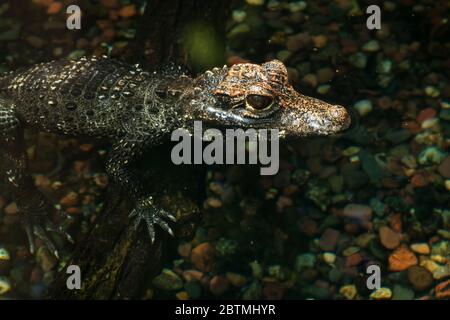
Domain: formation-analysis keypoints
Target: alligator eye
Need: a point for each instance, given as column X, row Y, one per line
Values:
column 259, row 102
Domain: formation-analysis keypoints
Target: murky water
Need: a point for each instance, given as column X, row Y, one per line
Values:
column 358, row 215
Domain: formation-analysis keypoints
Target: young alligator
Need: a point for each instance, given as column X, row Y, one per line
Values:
column 135, row 110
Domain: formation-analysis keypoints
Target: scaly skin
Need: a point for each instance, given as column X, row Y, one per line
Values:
column 135, row 110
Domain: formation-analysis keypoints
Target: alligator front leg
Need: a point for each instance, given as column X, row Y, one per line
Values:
column 121, row 168
column 34, row 210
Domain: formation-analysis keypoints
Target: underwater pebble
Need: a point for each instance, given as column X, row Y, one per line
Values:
column 253, row 292
column 238, row 31
column 360, row 212
column 213, row 203
column 425, row 114
column 444, row 168
column 431, row 155
column 444, row 114
column 184, row 250
column 5, row 285
column 38, row 290
column 441, row 272
column 218, row 285
column 381, row 294
column 283, row 55
column 364, row 240
column 442, row 290
column 432, row 92
column 182, row 295
column 257, row 269
column 277, row 271
column 353, row 260
column 350, row 251
column 349, row 291
column 70, row 199
column 384, row 66
column 127, row 11
column 402, row 293
column 389, row 238
column 444, row 233
column 364, row 107
column 329, row 239
column 358, row 60
column 239, row 15
column 371, row 46
column 447, row 184
column 445, row 104
column 202, row 256
column 420, row 248
column 329, row 257
column 4, row 254
column 325, row 75
column 336, row 183
column 305, row 260
column 401, row 259
column 236, row 279
column 430, row 265
column 193, row 289
column 167, row 280
column 310, row 79
column 297, row 6
column 439, row 259
column 192, row 275
column 350, row 151
column 420, row 278
column 55, row 7
column 101, row 180
column 273, row 291
column 323, row 89
column 398, row 136
column 319, row 41
column 429, row 123
column 255, row 2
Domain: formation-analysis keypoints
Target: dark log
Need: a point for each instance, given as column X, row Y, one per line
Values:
column 116, row 261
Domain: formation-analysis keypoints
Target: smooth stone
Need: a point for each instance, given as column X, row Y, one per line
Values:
column 421, row 248
column 168, row 280
column 381, row 294
column 329, row 257
column 304, row 261
column 402, row 293
column 329, row 239
column 364, row 107
column 349, row 291
column 389, row 238
column 371, row 46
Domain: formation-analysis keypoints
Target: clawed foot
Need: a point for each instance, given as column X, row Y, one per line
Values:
column 41, row 226
column 152, row 215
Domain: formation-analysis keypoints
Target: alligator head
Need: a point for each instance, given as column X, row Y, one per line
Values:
column 260, row 96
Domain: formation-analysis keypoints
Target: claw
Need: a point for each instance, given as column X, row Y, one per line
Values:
column 150, row 228
column 171, row 217
column 30, row 237
column 41, row 229
column 69, row 238
column 155, row 216
column 133, row 213
column 165, row 227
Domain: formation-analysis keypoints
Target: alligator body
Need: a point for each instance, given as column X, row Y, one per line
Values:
column 135, row 110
